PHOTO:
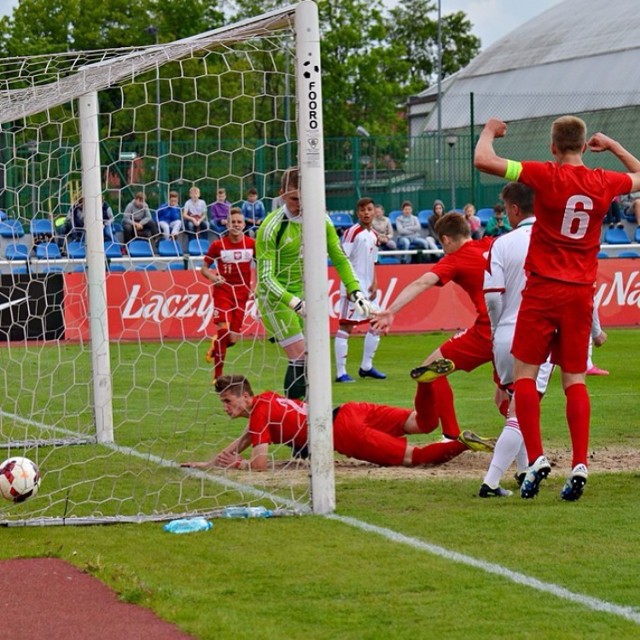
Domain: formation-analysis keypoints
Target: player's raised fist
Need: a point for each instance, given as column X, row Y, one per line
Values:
column 496, row 127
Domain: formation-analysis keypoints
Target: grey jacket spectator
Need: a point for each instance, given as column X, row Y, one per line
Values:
column 137, row 220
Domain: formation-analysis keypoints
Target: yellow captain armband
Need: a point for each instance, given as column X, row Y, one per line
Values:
column 514, row 169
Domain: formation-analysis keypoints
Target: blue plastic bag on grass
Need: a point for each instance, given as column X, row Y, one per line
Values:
column 188, row 525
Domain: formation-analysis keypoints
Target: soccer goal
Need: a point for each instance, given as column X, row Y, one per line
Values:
column 105, row 385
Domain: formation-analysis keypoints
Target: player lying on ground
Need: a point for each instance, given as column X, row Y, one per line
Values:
column 369, row 432
column 571, row 201
column 464, row 263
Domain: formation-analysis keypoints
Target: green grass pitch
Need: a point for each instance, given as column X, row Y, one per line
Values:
column 316, row 577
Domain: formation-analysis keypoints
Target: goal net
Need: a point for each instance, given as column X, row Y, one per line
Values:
column 105, row 384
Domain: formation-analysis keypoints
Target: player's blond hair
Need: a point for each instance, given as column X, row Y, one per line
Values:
column 569, row 134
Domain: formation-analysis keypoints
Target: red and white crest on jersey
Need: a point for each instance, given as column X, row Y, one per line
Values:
column 233, row 259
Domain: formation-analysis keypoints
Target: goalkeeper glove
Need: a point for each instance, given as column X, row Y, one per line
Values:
column 298, row 306
column 362, row 304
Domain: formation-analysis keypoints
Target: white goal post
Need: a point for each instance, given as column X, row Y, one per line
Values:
column 235, row 107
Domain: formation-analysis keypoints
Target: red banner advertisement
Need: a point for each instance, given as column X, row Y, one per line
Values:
column 157, row 305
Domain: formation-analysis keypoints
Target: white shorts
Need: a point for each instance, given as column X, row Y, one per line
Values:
column 348, row 312
column 503, row 359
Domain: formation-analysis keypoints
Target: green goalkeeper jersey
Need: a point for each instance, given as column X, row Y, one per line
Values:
column 279, row 258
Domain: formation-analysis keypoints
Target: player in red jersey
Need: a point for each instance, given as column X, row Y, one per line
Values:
column 464, row 263
column 370, row 432
column 227, row 265
column 571, row 201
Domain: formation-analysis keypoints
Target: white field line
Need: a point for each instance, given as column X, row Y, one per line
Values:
column 595, row 604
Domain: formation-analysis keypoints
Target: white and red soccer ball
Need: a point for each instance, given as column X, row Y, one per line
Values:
column 19, row 479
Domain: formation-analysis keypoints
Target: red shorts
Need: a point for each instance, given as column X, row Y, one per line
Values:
column 470, row 348
column 230, row 305
column 554, row 318
column 371, row 432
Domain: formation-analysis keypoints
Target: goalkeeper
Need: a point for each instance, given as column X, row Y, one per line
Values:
column 280, row 287
column 374, row 433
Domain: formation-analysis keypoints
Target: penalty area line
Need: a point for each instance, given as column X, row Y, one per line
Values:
column 628, row 613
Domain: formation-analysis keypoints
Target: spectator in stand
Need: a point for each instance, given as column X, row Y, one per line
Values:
column 253, row 212
column 614, row 217
column 194, row 214
column 473, row 220
column 219, row 212
column 498, row 224
column 170, row 217
column 384, row 229
column 438, row 212
column 73, row 226
column 408, row 228
column 138, row 222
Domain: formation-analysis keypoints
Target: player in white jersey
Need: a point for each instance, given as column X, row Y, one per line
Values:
column 360, row 244
column 504, row 281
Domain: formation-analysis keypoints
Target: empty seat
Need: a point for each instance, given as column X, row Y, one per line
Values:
column 629, row 254
column 11, row 229
column 424, row 216
column 113, row 249
column 636, row 237
column 341, row 219
column 382, row 259
column 41, row 227
column 393, row 216
column 16, row 251
column 197, row 247
column 602, row 255
column 484, row 214
column 616, row 236
column 140, row 249
column 48, row 251
column 145, row 266
column 169, row 249
column 76, row 250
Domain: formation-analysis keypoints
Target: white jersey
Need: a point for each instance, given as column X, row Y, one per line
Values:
column 361, row 247
column 505, row 275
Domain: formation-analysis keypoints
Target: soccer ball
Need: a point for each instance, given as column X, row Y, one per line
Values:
column 19, row 479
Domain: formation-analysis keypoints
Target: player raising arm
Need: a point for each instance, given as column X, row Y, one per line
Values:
column 555, row 315
column 370, row 432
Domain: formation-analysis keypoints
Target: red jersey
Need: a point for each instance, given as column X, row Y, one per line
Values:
column 277, row 420
column 233, row 259
column 466, row 268
column 570, row 204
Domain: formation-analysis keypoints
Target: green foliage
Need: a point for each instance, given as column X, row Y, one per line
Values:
column 373, row 60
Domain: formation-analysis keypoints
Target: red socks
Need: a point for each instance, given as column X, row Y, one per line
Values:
column 578, row 418
column 528, row 414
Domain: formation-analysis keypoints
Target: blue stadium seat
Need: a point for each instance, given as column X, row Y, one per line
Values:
column 636, row 237
column 169, row 249
column 145, row 267
column 197, row 246
column 393, row 216
column 140, row 249
column 76, row 250
column 382, row 259
column 484, row 214
column 41, row 227
column 341, row 219
column 48, row 251
column 616, row 236
column 602, row 255
column 424, row 216
column 3, row 215
column 16, row 251
column 629, row 254
column 113, row 250
column 11, row 229
column 117, row 266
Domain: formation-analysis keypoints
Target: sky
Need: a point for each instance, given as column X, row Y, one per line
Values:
column 491, row 19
